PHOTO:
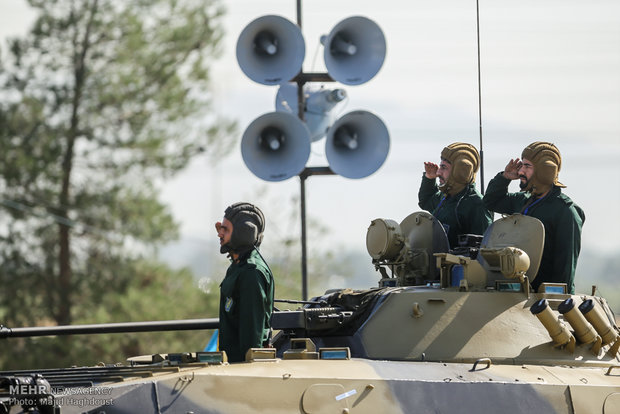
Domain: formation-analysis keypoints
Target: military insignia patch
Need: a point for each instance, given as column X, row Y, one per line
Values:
column 228, row 304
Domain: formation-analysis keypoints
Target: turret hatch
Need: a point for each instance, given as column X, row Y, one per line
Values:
column 523, row 232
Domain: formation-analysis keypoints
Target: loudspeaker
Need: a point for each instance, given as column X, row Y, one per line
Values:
column 319, row 103
column 357, row 144
column 354, row 50
column 271, row 50
column 276, row 146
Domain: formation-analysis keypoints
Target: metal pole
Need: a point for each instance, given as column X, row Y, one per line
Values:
column 480, row 101
column 302, row 178
column 304, row 266
column 301, row 80
column 307, row 172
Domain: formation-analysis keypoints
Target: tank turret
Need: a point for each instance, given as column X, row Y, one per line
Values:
column 436, row 304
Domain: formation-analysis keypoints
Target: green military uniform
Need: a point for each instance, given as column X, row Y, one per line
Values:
column 246, row 303
column 462, row 213
column 562, row 219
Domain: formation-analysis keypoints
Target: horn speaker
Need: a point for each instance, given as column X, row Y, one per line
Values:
column 357, row 144
column 354, row 50
column 319, row 103
column 276, row 146
column 271, row 50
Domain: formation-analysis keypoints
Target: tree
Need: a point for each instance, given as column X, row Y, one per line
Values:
column 102, row 101
column 153, row 292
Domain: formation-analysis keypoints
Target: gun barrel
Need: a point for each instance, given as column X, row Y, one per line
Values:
column 150, row 326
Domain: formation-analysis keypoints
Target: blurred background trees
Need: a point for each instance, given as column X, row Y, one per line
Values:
column 99, row 103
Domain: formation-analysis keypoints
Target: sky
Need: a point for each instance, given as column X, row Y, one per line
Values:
column 550, row 71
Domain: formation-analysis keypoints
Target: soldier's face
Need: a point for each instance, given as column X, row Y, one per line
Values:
column 525, row 173
column 224, row 231
column 443, row 173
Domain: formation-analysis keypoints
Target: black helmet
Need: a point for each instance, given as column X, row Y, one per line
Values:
column 248, row 226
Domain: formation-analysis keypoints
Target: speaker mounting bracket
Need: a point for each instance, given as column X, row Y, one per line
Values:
column 305, row 77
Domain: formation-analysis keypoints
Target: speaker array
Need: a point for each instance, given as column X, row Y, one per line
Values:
column 276, row 146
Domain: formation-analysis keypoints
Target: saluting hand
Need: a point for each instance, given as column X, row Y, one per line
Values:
column 430, row 170
column 512, row 169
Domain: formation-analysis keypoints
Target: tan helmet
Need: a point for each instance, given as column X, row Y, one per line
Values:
column 547, row 161
column 465, row 160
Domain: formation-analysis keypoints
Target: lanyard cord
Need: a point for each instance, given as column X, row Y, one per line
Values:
column 456, row 209
column 527, row 208
column 439, row 205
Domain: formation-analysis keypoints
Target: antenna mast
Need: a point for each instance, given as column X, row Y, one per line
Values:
column 480, row 101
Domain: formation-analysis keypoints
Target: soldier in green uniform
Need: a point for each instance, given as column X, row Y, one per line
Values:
column 455, row 202
column 246, row 293
column 543, row 199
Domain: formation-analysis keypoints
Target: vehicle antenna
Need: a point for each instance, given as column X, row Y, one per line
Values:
column 480, row 101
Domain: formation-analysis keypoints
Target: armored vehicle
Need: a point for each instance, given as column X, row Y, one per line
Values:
column 446, row 331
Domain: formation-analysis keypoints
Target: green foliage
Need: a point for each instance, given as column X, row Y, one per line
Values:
column 99, row 103
column 154, row 292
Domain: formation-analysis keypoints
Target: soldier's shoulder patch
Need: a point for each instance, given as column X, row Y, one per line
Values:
column 228, row 304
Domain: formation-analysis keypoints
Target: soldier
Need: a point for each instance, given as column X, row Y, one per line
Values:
column 455, row 202
column 542, row 198
column 246, row 293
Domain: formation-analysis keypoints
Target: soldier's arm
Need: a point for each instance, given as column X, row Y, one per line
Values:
column 498, row 199
column 428, row 194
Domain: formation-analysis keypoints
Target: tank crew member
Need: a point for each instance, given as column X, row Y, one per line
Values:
column 455, row 202
column 541, row 197
column 246, row 293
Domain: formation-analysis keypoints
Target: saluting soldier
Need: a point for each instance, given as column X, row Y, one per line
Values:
column 541, row 197
column 455, row 202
